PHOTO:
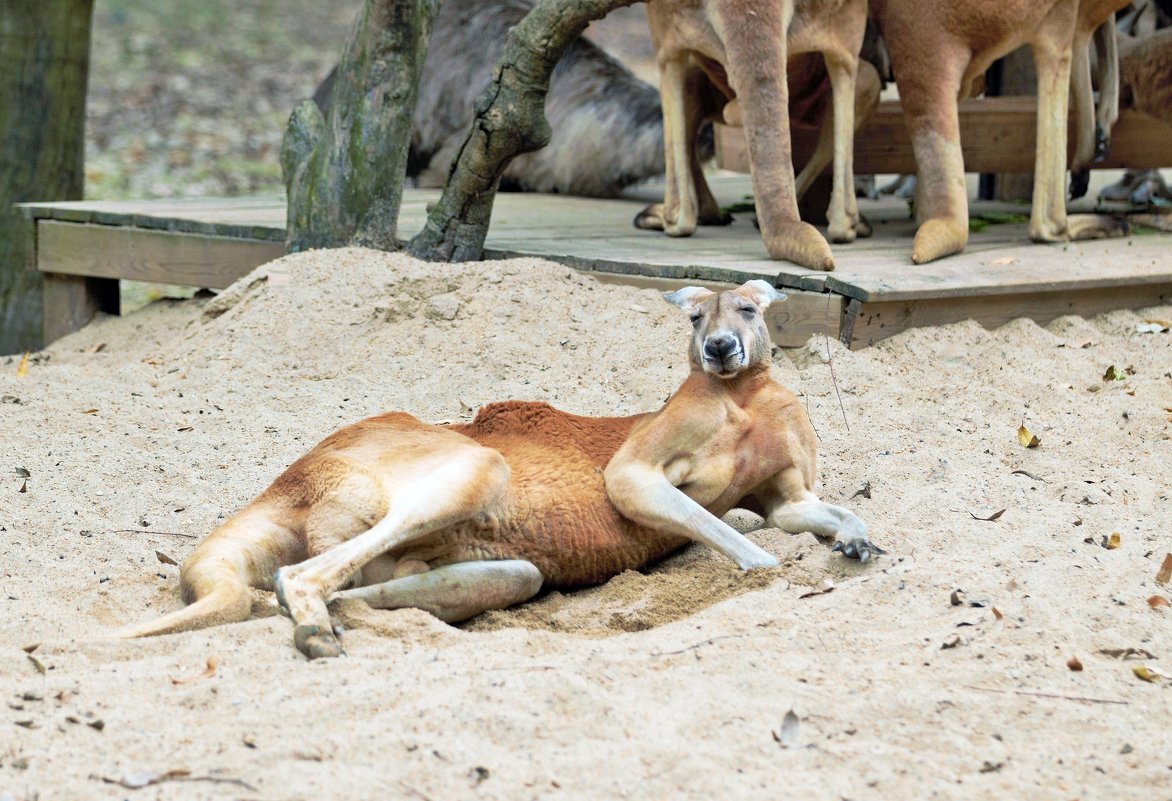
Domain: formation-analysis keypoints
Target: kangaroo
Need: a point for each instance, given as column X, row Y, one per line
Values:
column 459, row 519
column 744, row 46
column 938, row 48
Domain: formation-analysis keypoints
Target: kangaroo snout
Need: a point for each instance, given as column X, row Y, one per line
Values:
column 720, row 346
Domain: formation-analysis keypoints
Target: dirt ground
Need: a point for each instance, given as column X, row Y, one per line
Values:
column 124, row 443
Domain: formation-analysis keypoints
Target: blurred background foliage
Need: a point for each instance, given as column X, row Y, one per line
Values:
column 191, row 98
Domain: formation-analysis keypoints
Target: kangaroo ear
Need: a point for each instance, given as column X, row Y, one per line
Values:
column 762, row 292
column 688, row 297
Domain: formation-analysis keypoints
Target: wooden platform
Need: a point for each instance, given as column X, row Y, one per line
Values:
column 85, row 247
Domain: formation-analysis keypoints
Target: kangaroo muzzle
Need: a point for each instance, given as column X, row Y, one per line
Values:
column 724, row 353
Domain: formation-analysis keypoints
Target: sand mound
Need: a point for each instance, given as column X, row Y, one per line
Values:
column 134, row 437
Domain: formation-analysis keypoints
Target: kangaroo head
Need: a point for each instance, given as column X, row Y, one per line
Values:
column 729, row 330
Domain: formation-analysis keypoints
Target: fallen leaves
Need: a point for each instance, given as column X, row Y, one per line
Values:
column 1027, row 438
column 1112, row 542
column 993, row 517
column 1153, row 326
column 145, row 778
column 1126, row 653
column 167, row 560
column 1149, row 673
column 208, row 672
column 826, row 586
column 790, row 728
column 1165, row 573
column 1156, row 601
column 1074, row 664
column 22, row 368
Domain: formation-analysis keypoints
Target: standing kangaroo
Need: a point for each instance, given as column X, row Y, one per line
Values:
column 464, row 518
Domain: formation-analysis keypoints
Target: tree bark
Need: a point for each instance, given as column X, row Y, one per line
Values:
column 510, row 120
column 44, row 67
column 344, row 173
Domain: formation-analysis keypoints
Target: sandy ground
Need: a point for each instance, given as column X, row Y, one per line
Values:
column 138, row 434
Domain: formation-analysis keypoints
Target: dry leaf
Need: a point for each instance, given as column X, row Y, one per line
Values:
column 22, row 368
column 1165, row 574
column 1113, row 375
column 952, row 641
column 993, row 517
column 1074, row 664
column 185, row 428
column 957, row 598
column 23, row 486
column 90, row 411
column 207, row 674
column 997, row 613
column 167, row 560
column 790, row 726
column 136, row 781
column 98, row 348
column 1127, row 653
column 826, row 586
column 1148, row 673
column 1112, row 542
column 38, row 664
column 1027, row 439
column 1158, row 321
column 23, row 472
column 1156, row 601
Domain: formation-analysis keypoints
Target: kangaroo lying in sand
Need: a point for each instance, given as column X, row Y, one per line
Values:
column 743, row 46
column 464, row 518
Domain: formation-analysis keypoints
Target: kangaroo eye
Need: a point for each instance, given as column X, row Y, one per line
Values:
column 749, row 310
column 696, row 318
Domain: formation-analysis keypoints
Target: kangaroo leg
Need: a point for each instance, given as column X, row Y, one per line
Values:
column 756, row 50
column 1107, row 109
column 456, row 484
column 928, row 94
column 1082, row 96
column 679, row 198
column 825, row 520
column 843, row 214
column 455, row 592
column 699, row 98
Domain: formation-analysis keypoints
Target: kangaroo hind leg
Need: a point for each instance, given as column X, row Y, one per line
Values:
column 455, row 592
column 449, row 483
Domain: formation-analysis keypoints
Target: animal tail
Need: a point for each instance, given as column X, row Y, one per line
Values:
column 217, row 578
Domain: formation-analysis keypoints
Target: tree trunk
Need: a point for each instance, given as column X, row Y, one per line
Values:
column 510, row 120
column 344, row 174
column 44, row 66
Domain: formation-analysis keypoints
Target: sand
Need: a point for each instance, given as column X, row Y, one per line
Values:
column 686, row 680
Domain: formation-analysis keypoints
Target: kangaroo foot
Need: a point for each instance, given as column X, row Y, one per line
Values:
column 651, row 218
column 1095, row 226
column 939, row 237
column 313, row 633
column 798, row 242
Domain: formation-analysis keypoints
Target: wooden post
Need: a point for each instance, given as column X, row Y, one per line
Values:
column 44, row 66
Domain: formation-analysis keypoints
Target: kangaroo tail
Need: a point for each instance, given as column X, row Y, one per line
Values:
column 243, row 553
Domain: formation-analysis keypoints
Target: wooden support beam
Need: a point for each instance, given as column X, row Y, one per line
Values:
column 867, row 323
column 998, row 134
column 107, row 251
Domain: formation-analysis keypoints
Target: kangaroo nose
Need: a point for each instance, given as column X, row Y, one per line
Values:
column 720, row 346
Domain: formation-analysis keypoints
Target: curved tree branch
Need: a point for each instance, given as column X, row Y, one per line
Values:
column 510, row 120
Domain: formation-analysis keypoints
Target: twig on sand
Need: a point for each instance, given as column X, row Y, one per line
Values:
column 1048, row 695
column 709, row 641
column 156, row 533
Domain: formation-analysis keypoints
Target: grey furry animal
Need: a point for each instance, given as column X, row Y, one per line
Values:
column 607, row 128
